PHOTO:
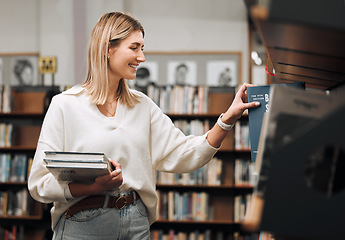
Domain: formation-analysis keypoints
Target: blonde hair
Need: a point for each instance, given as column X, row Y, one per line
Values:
column 111, row 28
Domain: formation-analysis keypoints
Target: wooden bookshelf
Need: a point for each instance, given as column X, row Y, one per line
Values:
column 26, row 117
column 220, row 197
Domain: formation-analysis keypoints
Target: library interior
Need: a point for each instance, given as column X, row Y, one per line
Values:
column 277, row 174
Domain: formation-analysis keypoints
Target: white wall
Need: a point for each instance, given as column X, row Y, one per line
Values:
column 19, row 29
column 62, row 28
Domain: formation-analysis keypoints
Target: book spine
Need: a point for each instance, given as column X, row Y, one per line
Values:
column 210, row 174
column 15, row 203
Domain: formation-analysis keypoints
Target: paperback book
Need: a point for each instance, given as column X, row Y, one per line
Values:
column 77, row 166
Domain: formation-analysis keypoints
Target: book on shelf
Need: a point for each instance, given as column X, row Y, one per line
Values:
column 15, row 203
column 255, row 115
column 210, row 174
column 180, row 99
column 77, row 166
column 175, row 205
column 6, row 98
column 293, row 113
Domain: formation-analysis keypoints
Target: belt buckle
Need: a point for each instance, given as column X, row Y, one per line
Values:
column 121, row 202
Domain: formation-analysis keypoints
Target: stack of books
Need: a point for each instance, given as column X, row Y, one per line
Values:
column 77, row 166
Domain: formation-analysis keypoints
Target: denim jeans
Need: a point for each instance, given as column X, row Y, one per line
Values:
column 130, row 222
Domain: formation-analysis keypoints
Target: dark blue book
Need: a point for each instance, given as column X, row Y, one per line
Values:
column 255, row 115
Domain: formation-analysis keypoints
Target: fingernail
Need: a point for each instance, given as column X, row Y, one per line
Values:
column 118, row 170
column 257, row 103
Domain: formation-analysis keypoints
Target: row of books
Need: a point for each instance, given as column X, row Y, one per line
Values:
column 241, row 202
column 244, row 173
column 15, row 203
column 6, row 134
column 14, row 168
column 198, row 235
column 5, row 98
column 242, row 139
column 266, row 236
column 195, row 206
column 210, row 174
column 174, row 205
column 12, row 233
column 180, row 99
column 193, row 127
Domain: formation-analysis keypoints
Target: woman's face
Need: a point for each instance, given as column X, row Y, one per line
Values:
column 126, row 57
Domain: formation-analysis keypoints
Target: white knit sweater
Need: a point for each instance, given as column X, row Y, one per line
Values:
column 141, row 139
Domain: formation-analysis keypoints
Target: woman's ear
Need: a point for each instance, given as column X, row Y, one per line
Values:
column 111, row 51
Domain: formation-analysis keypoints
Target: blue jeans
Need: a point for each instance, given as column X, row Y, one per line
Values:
column 130, row 222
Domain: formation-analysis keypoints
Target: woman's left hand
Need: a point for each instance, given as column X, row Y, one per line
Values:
column 239, row 105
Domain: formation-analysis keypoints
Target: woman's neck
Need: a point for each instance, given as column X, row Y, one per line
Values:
column 112, row 90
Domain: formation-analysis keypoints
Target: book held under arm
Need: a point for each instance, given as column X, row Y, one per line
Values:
column 77, row 166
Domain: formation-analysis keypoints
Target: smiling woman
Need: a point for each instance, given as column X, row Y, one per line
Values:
column 104, row 115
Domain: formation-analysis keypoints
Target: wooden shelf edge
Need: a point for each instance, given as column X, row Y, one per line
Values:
column 13, row 183
column 18, row 148
column 22, row 114
column 36, row 217
column 206, row 222
column 203, row 186
column 259, row 12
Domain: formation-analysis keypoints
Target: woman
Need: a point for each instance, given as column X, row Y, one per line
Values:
column 104, row 115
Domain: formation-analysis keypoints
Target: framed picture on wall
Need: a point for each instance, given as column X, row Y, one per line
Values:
column 197, row 68
column 222, row 73
column 147, row 73
column 20, row 69
column 182, row 72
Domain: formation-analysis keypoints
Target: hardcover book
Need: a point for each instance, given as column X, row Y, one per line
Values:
column 77, row 166
column 255, row 115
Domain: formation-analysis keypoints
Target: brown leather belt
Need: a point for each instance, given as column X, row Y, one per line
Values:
column 97, row 201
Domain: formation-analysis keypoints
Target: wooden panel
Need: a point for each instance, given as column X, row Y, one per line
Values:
column 309, row 72
column 309, row 82
column 223, row 208
column 304, row 38
column 228, row 142
column 28, row 102
column 219, row 102
column 313, row 53
column 228, row 173
column 307, row 60
column 26, row 136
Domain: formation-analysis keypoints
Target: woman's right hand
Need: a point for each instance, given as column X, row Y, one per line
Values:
column 110, row 181
column 101, row 184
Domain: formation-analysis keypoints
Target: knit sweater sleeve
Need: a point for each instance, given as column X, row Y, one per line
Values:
column 172, row 151
column 42, row 185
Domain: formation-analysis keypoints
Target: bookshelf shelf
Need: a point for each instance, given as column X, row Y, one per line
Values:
column 18, row 149
column 23, row 115
column 7, row 183
column 191, row 222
